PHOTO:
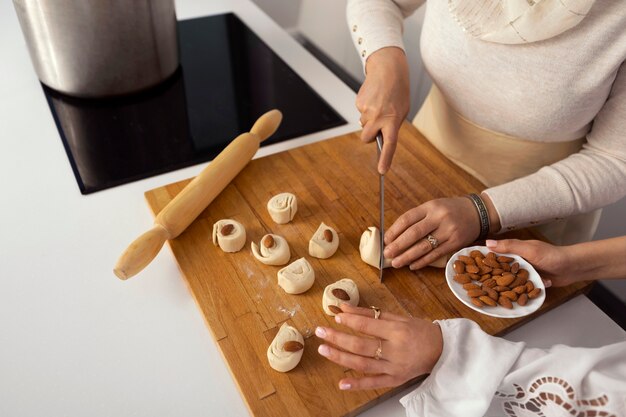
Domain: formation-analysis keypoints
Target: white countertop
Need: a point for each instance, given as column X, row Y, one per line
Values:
column 75, row 340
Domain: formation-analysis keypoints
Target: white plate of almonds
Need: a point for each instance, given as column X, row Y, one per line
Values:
column 499, row 285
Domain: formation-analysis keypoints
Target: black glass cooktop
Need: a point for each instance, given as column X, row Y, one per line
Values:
column 228, row 77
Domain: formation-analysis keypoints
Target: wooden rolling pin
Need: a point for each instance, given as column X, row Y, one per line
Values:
column 196, row 196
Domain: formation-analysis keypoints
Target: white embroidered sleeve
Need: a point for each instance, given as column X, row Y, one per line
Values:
column 376, row 24
column 481, row 375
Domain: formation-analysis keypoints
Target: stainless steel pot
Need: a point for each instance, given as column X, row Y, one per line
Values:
column 95, row 48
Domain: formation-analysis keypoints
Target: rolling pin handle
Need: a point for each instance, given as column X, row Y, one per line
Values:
column 141, row 252
column 266, row 125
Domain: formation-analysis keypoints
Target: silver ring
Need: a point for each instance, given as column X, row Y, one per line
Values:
column 433, row 241
column 376, row 312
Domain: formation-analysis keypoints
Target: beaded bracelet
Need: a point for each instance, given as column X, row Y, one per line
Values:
column 482, row 214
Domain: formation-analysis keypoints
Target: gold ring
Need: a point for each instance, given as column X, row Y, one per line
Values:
column 376, row 312
column 433, row 241
column 378, row 355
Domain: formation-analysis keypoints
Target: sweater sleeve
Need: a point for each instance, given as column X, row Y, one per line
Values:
column 481, row 375
column 580, row 183
column 376, row 24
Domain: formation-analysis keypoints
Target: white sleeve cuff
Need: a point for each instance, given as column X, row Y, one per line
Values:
column 468, row 373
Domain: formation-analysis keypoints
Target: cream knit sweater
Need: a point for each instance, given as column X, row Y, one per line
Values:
column 567, row 87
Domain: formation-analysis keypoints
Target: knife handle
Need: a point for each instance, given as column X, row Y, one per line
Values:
column 196, row 196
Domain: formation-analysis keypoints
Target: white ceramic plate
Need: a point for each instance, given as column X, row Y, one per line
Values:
column 498, row 311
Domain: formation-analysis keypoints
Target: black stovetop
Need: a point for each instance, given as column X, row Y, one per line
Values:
column 228, row 77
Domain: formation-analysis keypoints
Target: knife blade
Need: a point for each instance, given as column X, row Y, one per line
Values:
column 381, row 192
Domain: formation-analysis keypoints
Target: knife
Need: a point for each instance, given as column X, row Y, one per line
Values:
column 381, row 193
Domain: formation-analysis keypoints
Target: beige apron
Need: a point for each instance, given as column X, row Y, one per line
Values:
column 469, row 146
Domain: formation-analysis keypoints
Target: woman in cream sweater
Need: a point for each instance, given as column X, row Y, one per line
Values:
column 528, row 96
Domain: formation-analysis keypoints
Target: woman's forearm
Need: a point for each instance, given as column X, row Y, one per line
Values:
column 600, row 259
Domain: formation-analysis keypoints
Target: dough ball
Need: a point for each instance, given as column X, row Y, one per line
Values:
column 229, row 235
column 273, row 250
column 324, row 242
column 282, row 207
column 297, row 277
column 285, row 351
column 369, row 247
column 342, row 291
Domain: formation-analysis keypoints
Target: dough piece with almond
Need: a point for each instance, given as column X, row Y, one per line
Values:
column 282, row 207
column 297, row 277
column 324, row 242
column 229, row 235
column 285, row 351
column 342, row 291
column 274, row 250
column 369, row 247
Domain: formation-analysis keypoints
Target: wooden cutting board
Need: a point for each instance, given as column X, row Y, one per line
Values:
column 336, row 182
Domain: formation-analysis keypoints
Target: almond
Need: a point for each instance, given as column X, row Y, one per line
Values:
column 529, row 286
column 476, row 254
column 491, row 262
column 505, row 267
column 488, row 301
column 341, row 294
column 491, row 293
column 476, row 302
column 328, row 235
column 514, row 267
column 476, row 293
column 497, row 271
column 491, row 255
column 489, row 283
column 268, row 242
column 522, row 273
column 534, row 293
column 334, row 309
column 227, row 229
column 459, row 267
column 485, row 277
column 511, row 295
column 474, row 276
column 484, row 269
column 479, row 260
column 501, row 288
column 292, row 346
column 466, row 260
column 472, row 269
column 504, row 259
column 517, row 282
column 462, row 278
column 505, row 302
column 505, row 280
column 468, row 287
column 522, row 299
column 519, row 290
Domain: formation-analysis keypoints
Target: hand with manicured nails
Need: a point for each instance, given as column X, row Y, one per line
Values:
column 410, row 347
column 383, row 100
column 454, row 222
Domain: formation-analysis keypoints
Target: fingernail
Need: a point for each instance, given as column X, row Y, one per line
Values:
column 338, row 319
column 412, row 267
column 323, row 350
column 387, row 253
column 547, row 283
column 344, row 386
column 320, row 332
column 491, row 243
column 395, row 263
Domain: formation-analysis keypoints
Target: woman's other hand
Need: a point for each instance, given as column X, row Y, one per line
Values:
column 453, row 222
column 552, row 262
column 409, row 347
column 383, row 100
